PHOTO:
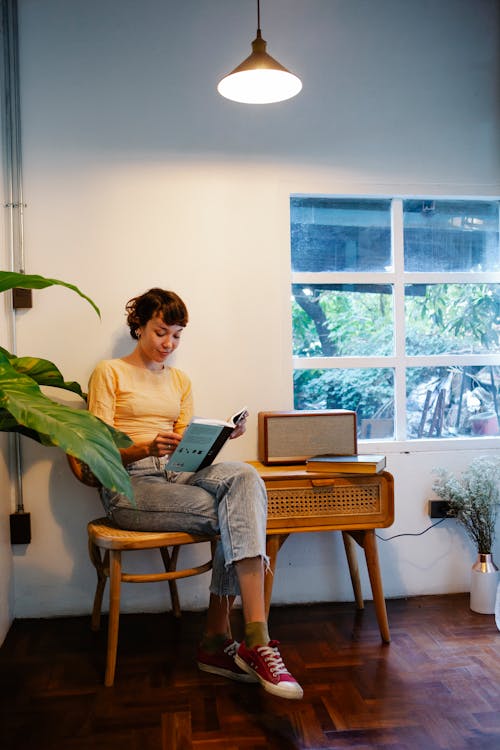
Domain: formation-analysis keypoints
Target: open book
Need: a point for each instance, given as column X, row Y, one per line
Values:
column 202, row 441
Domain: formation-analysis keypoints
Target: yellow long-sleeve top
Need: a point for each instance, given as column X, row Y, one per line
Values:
column 138, row 401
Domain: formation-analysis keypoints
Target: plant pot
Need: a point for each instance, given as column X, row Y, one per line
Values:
column 483, row 587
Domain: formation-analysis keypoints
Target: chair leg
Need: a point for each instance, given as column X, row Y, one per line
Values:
column 352, row 561
column 170, row 563
column 115, row 574
column 100, row 564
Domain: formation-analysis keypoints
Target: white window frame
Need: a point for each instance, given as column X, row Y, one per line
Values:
column 400, row 361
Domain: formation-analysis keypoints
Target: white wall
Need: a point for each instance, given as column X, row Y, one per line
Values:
column 137, row 174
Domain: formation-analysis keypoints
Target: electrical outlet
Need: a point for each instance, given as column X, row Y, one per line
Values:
column 22, row 299
column 438, row 509
column 20, row 528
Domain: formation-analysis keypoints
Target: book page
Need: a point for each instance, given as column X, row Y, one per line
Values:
column 239, row 416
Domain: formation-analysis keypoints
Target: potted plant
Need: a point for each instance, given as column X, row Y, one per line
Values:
column 26, row 410
column 473, row 500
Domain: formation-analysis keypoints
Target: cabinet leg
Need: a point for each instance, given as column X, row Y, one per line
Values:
column 352, row 561
column 273, row 545
column 371, row 553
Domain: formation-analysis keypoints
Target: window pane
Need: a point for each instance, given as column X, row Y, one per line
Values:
column 332, row 320
column 452, row 401
column 452, row 318
column 331, row 234
column 451, row 235
column 368, row 392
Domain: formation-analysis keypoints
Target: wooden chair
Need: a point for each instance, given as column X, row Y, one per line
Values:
column 106, row 544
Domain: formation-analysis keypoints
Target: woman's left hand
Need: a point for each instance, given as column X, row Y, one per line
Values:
column 239, row 429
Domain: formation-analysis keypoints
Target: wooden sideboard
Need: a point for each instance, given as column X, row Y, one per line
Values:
column 355, row 504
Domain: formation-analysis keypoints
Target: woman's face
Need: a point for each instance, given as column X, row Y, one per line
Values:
column 157, row 340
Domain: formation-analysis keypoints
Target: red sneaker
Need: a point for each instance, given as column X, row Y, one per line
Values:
column 265, row 663
column 222, row 662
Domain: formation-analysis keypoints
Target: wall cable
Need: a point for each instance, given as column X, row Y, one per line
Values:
column 407, row 533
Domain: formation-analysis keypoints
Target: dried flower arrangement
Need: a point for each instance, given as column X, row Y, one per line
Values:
column 473, row 499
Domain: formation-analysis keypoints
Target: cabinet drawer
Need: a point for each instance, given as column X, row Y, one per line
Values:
column 335, row 503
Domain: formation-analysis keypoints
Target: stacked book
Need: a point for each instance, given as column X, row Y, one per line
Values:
column 361, row 463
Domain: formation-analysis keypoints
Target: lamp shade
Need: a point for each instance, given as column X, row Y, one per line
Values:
column 260, row 79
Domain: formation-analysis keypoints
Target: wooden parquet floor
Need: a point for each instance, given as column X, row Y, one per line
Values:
column 437, row 685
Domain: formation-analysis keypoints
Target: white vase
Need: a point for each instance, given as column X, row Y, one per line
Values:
column 484, row 583
column 497, row 607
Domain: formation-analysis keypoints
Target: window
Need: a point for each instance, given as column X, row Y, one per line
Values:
column 396, row 313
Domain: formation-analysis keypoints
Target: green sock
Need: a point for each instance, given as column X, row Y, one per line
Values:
column 213, row 643
column 256, row 634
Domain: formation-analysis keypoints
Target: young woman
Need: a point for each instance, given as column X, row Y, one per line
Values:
column 152, row 402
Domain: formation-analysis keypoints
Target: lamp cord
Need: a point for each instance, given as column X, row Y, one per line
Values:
column 258, row 15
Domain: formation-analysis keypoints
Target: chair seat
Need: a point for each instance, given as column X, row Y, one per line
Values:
column 103, row 533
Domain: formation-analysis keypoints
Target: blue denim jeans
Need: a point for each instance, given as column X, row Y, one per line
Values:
column 227, row 499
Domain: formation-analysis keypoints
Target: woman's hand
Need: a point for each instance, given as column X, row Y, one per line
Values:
column 164, row 443
column 239, row 429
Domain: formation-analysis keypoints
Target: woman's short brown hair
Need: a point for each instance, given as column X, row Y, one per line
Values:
column 168, row 305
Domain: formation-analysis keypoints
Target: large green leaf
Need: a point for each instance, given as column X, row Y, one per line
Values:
column 11, row 280
column 43, row 372
column 75, row 431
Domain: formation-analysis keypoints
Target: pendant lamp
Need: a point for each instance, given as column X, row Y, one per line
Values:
column 260, row 79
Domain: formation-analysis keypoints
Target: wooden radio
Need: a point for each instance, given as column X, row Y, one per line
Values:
column 291, row 437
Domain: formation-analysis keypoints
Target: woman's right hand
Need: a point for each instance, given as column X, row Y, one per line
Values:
column 164, row 443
